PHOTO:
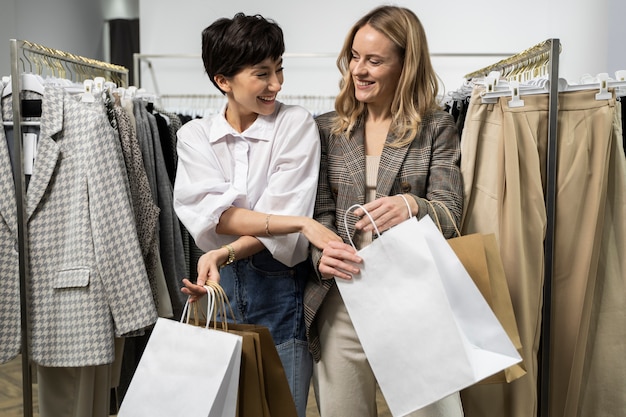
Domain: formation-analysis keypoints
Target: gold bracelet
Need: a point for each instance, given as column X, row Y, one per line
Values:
column 267, row 225
column 231, row 255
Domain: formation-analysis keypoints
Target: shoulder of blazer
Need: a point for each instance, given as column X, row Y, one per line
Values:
column 434, row 124
column 325, row 121
column 438, row 118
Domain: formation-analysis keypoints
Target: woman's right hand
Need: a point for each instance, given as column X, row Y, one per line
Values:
column 338, row 260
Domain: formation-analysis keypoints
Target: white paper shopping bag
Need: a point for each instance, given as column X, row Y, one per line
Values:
column 187, row 371
column 425, row 336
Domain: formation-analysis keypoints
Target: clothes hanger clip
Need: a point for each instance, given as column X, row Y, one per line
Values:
column 515, row 101
column 620, row 76
column 604, row 94
column 98, row 85
column 491, row 81
column 88, row 96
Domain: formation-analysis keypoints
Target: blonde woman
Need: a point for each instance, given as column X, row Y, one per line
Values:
column 387, row 146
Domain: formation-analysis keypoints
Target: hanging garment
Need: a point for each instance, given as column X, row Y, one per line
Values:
column 170, row 254
column 146, row 213
column 622, row 102
column 170, row 236
column 502, row 175
column 88, row 281
column 503, row 167
column 10, row 316
column 587, row 370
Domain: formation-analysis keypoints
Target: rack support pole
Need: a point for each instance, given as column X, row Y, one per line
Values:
column 550, row 200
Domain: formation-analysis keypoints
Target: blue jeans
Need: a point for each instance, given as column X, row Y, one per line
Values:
column 263, row 291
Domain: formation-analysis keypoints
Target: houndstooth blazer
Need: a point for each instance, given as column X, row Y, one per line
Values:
column 10, row 325
column 427, row 168
column 87, row 281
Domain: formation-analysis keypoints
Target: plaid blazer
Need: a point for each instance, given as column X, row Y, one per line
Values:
column 427, row 168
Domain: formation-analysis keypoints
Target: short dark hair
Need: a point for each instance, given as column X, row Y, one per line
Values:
column 229, row 45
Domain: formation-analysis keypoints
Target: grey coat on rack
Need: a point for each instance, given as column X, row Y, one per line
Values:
column 88, row 282
column 10, row 336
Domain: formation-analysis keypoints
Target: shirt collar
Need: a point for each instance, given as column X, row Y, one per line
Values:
column 261, row 129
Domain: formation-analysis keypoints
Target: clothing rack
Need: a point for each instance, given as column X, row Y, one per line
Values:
column 147, row 58
column 546, row 52
column 203, row 104
column 138, row 57
column 29, row 57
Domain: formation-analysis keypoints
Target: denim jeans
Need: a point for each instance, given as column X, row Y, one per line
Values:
column 263, row 291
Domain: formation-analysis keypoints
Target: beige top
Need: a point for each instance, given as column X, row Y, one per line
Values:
column 371, row 178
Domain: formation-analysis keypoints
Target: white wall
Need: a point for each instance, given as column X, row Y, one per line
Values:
column 74, row 26
column 590, row 31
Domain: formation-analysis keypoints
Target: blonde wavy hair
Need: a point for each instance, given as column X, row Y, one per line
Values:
column 416, row 92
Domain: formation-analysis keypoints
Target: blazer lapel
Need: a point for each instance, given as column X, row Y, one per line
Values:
column 391, row 161
column 354, row 158
column 47, row 150
column 8, row 209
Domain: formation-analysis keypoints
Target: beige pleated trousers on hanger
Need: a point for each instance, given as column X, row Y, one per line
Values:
column 502, row 165
column 503, row 158
column 588, row 368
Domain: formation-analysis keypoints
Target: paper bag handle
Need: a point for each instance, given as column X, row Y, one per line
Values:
column 345, row 221
column 217, row 300
column 185, row 317
column 445, row 208
column 222, row 303
column 408, row 206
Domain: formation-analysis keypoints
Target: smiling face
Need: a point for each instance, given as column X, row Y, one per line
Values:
column 376, row 66
column 252, row 91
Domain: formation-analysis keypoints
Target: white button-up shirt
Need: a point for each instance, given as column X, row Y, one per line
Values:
column 272, row 167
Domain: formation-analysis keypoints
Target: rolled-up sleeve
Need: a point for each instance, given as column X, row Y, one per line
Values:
column 202, row 190
column 270, row 168
column 292, row 183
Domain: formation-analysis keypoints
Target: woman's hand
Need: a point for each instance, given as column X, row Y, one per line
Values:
column 208, row 270
column 386, row 212
column 317, row 234
column 338, row 261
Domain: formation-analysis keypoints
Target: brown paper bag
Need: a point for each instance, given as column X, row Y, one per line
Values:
column 480, row 256
column 263, row 384
column 263, row 387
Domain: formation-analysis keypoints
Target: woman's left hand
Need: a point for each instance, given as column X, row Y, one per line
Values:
column 386, row 212
column 208, row 270
column 194, row 291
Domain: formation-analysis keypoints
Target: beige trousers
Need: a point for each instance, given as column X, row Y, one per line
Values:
column 503, row 166
column 588, row 371
column 74, row 392
column 502, row 163
column 343, row 380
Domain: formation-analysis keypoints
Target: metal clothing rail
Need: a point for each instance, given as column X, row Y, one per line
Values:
column 47, row 61
column 41, row 60
column 546, row 52
column 536, row 54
